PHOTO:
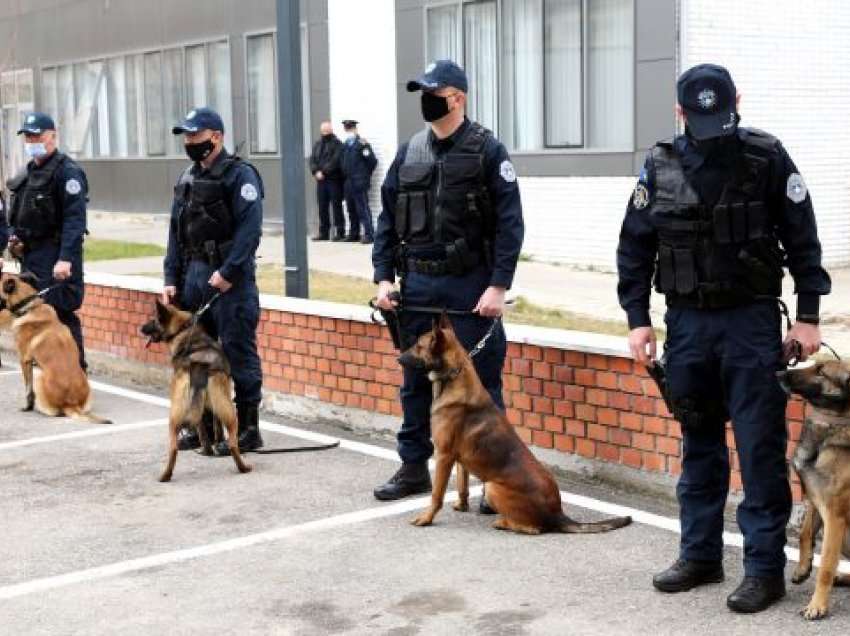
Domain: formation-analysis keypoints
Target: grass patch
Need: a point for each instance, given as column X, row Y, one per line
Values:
column 109, row 249
column 357, row 291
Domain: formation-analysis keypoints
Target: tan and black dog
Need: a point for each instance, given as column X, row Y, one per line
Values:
column 468, row 429
column 822, row 461
column 60, row 387
column 201, row 382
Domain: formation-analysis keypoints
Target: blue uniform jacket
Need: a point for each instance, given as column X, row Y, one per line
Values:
column 357, row 163
column 244, row 194
column 504, row 195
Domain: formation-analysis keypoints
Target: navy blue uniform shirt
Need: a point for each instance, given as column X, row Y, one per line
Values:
column 503, row 188
column 243, row 192
column 357, row 162
column 794, row 221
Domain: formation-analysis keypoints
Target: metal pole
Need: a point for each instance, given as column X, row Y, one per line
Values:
column 292, row 146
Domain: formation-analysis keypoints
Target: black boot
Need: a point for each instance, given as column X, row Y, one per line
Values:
column 756, row 594
column 685, row 575
column 410, row 479
column 249, row 430
column 320, row 237
column 189, row 438
column 484, row 507
column 339, row 236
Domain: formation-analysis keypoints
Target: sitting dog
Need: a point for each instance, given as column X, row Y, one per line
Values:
column 60, row 387
column 822, row 461
column 201, row 382
column 469, row 429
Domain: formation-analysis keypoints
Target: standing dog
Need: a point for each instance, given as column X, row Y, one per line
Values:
column 822, row 461
column 61, row 387
column 469, row 429
column 201, row 382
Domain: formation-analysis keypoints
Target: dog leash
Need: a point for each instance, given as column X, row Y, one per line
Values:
column 795, row 352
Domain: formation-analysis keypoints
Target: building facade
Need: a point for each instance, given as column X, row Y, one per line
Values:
column 577, row 89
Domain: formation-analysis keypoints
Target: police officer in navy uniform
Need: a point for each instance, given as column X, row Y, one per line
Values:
column 216, row 223
column 325, row 168
column 715, row 216
column 358, row 163
column 47, row 218
column 451, row 229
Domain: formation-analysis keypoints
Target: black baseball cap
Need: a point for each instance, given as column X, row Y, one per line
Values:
column 197, row 119
column 708, row 96
column 348, row 124
column 438, row 75
column 36, row 123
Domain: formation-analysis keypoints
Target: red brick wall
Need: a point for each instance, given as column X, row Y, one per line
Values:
column 597, row 406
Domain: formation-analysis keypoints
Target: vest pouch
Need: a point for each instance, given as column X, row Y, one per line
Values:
column 418, row 213
column 738, row 220
column 207, row 191
column 401, row 223
column 414, row 201
column 722, row 224
column 676, row 270
column 462, row 171
column 756, row 220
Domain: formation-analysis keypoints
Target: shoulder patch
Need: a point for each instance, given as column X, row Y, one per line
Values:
column 366, row 152
column 72, row 186
column 249, row 192
column 796, row 189
column 640, row 197
column 506, row 169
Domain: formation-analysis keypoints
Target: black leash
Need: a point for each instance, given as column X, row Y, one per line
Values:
column 794, row 350
column 295, row 449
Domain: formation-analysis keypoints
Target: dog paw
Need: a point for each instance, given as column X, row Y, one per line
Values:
column 814, row 611
column 422, row 520
column 800, row 575
column 164, row 478
column 461, row 506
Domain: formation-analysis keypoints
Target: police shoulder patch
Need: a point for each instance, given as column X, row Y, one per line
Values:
column 640, row 197
column 249, row 192
column 366, row 152
column 72, row 186
column 796, row 189
column 506, row 169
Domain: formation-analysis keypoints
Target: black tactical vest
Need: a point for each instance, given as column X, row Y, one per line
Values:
column 34, row 211
column 443, row 203
column 205, row 218
column 720, row 256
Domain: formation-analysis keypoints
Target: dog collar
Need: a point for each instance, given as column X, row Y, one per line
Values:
column 21, row 307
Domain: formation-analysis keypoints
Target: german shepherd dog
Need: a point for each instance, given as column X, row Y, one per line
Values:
column 200, row 382
column 60, row 387
column 469, row 429
column 822, row 461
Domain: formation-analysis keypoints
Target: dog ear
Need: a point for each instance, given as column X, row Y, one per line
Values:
column 162, row 312
column 30, row 279
column 438, row 345
column 9, row 285
column 445, row 323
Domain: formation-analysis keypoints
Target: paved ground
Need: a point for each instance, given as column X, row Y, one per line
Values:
column 93, row 544
column 583, row 292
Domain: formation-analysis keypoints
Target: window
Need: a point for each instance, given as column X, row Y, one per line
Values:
column 125, row 106
column 262, row 98
column 563, row 68
column 16, row 98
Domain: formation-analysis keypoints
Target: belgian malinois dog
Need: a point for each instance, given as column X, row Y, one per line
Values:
column 822, row 461
column 470, row 430
column 60, row 387
column 200, row 382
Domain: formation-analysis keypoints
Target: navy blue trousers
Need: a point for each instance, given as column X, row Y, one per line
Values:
column 233, row 319
column 452, row 292
column 359, row 213
column 732, row 355
column 329, row 195
column 66, row 297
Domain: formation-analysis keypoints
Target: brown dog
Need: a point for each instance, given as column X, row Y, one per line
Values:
column 61, row 387
column 822, row 460
column 201, row 382
column 469, row 429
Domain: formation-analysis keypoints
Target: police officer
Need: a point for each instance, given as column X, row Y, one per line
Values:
column 324, row 165
column 358, row 164
column 715, row 215
column 451, row 229
column 216, row 223
column 47, row 218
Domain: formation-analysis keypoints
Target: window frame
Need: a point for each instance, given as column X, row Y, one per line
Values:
column 249, row 139
column 128, row 53
column 545, row 149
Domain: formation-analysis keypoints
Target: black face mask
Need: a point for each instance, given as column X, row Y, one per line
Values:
column 200, row 151
column 434, row 107
column 327, row 135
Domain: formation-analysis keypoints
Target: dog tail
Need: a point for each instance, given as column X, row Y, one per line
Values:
column 86, row 416
column 567, row 525
column 198, row 379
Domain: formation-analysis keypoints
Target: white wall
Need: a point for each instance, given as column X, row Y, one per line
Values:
column 791, row 63
column 363, row 77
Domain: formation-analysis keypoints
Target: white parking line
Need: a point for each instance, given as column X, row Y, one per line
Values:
column 176, row 556
column 105, row 429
